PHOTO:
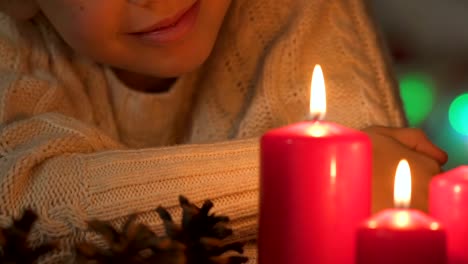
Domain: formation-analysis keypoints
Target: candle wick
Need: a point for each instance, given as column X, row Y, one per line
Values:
column 401, row 205
column 314, row 117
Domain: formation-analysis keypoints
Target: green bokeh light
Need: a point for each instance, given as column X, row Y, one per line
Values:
column 458, row 114
column 445, row 137
column 417, row 92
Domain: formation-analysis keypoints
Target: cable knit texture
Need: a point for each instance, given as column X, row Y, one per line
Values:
column 77, row 144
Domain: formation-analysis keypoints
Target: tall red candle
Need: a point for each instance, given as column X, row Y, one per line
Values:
column 401, row 236
column 315, row 189
column 448, row 202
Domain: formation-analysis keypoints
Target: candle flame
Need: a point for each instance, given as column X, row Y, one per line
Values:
column 318, row 98
column 402, row 189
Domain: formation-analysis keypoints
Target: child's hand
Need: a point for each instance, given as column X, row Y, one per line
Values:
column 390, row 145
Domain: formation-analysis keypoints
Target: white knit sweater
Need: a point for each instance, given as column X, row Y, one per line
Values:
column 77, row 144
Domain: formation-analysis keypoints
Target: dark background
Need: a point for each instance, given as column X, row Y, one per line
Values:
column 428, row 41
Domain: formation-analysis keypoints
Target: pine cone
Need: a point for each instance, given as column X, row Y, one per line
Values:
column 136, row 244
column 202, row 233
column 199, row 240
column 14, row 244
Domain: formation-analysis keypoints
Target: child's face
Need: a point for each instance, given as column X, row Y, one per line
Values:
column 112, row 31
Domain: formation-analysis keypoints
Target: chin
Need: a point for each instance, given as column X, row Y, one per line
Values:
column 177, row 70
column 178, row 63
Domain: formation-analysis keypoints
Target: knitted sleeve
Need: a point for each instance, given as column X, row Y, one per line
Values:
column 69, row 171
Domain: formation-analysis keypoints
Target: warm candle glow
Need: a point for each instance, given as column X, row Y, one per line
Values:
column 434, row 226
column 372, row 224
column 318, row 100
column 316, row 130
column 402, row 219
column 402, row 189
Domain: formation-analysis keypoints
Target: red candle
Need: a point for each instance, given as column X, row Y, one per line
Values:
column 448, row 202
column 401, row 236
column 315, row 189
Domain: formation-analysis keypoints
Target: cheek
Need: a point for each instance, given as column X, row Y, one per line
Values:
column 216, row 8
column 85, row 25
column 213, row 14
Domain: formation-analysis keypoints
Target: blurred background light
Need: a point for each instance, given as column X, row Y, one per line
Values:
column 418, row 95
column 429, row 51
column 458, row 114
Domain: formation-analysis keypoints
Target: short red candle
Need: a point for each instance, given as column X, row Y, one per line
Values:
column 448, row 203
column 401, row 236
column 315, row 189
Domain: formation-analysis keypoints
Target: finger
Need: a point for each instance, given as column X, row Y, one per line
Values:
column 417, row 140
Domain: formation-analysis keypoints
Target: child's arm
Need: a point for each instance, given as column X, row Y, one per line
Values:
column 69, row 175
column 70, row 172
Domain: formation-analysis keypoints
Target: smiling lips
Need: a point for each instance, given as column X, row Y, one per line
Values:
column 172, row 28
